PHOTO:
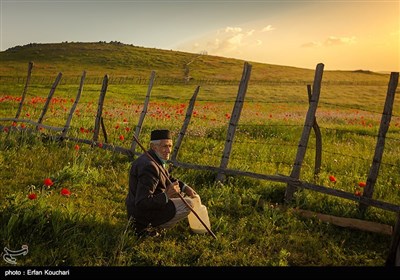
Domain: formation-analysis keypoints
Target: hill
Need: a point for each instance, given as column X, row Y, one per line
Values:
column 121, row 60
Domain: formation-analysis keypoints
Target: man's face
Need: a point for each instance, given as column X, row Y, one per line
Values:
column 164, row 148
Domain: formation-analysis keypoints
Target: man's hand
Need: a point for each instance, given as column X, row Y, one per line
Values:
column 173, row 190
column 189, row 191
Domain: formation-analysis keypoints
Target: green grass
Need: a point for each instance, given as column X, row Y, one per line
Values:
column 252, row 224
column 89, row 227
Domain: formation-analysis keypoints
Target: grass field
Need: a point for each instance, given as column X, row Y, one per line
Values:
column 80, row 219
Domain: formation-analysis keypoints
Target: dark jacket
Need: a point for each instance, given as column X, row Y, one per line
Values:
column 146, row 201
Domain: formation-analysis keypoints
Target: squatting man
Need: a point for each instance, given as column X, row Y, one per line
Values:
column 153, row 201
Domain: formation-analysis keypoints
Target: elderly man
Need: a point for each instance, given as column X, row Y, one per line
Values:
column 153, row 200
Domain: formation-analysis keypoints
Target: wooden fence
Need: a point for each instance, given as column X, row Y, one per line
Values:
column 293, row 182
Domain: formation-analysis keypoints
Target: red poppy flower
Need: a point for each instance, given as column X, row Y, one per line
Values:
column 100, row 145
column 32, row 196
column 65, row 192
column 76, row 147
column 121, row 137
column 332, row 178
column 357, row 193
column 48, row 182
column 362, row 184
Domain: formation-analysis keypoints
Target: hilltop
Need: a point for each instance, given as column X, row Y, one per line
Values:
column 120, row 60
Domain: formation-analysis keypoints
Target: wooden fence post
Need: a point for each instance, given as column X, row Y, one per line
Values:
column 318, row 139
column 28, row 79
column 393, row 258
column 71, row 112
column 185, row 124
column 103, row 128
column 237, row 109
column 144, row 111
column 310, row 117
column 100, row 109
column 49, row 97
column 380, row 144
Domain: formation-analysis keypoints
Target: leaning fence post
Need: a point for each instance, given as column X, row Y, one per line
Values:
column 49, row 97
column 100, row 108
column 103, row 128
column 301, row 150
column 237, row 109
column 28, row 79
column 144, row 111
column 318, row 139
column 71, row 112
column 185, row 124
column 380, row 144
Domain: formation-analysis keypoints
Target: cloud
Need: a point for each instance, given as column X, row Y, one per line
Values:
column 268, row 28
column 229, row 29
column 311, row 45
column 236, row 40
column 231, row 41
column 250, row 32
column 331, row 41
column 335, row 41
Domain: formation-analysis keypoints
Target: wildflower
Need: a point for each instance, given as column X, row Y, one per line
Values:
column 362, row 184
column 65, row 192
column 48, row 182
column 121, row 137
column 32, row 196
column 100, row 145
column 332, row 178
column 76, row 147
column 357, row 193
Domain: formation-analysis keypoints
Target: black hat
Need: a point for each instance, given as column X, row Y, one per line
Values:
column 160, row 134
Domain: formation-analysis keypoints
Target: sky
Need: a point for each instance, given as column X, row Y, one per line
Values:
column 343, row 35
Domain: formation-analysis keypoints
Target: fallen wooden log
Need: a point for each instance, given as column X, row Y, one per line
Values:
column 348, row 222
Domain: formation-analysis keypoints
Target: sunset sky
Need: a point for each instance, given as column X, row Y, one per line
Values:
column 344, row 35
